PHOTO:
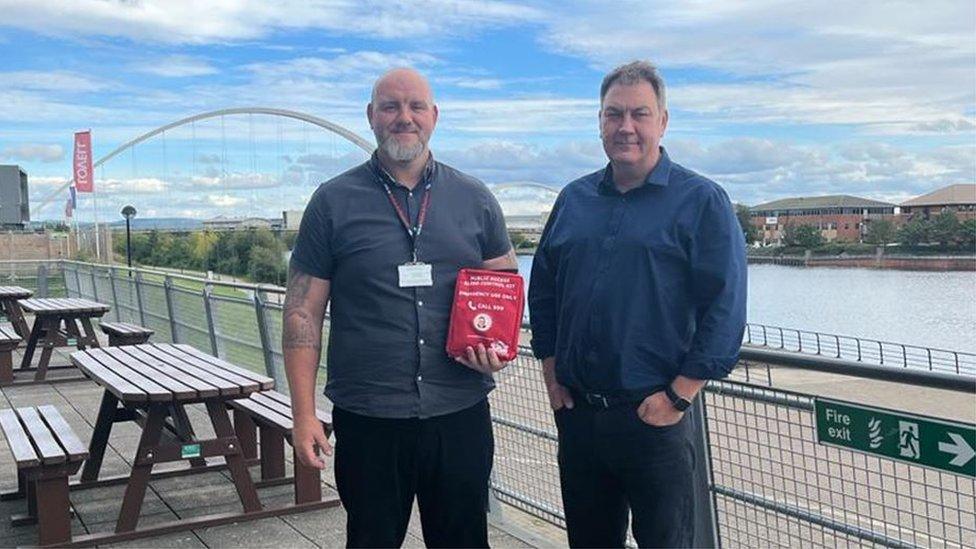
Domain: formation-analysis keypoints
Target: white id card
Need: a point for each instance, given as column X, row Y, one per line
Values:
column 413, row 275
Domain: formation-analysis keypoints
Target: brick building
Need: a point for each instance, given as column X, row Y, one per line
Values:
column 959, row 199
column 839, row 217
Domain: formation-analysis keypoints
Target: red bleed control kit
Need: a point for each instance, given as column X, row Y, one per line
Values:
column 488, row 308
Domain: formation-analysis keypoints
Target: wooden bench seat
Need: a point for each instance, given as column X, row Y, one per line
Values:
column 9, row 340
column 46, row 452
column 269, row 412
column 124, row 333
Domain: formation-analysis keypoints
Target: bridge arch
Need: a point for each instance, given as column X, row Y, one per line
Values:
column 350, row 136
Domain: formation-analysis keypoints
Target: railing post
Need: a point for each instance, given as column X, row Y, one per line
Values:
column 208, row 310
column 261, row 313
column 706, row 523
column 42, row 280
column 170, row 310
column 115, row 294
column 94, row 283
column 142, row 309
column 64, row 275
column 78, row 282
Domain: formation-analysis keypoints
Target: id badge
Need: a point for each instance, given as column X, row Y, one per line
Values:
column 414, row 275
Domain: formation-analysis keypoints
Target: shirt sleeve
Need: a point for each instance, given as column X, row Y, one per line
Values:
column 495, row 241
column 312, row 254
column 719, row 271
column 542, row 294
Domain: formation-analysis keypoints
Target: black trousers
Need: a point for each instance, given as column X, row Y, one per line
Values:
column 610, row 462
column 382, row 464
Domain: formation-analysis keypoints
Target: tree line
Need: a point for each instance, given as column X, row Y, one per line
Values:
column 257, row 255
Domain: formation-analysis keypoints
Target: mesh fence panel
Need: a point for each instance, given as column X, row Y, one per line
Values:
column 238, row 339
column 776, row 486
column 155, row 312
column 126, row 304
column 191, row 322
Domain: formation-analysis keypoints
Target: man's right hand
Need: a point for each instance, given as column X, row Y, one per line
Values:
column 310, row 441
column 559, row 396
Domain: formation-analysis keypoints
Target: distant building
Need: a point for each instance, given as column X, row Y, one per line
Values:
column 958, row 199
column 839, row 217
column 291, row 219
column 223, row 223
column 526, row 223
column 14, row 204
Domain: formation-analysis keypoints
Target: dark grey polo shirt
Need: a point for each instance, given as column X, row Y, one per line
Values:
column 386, row 354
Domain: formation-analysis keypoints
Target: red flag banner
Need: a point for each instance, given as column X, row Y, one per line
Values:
column 83, row 173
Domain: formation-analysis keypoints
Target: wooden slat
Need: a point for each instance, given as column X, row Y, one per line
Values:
column 265, row 381
column 17, row 440
column 8, row 335
column 65, row 434
column 47, row 447
column 202, row 388
column 115, row 384
column 155, row 391
column 14, row 292
column 272, row 404
column 324, row 417
column 246, row 384
column 226, row 386
column 258, row 411
column 124, row 329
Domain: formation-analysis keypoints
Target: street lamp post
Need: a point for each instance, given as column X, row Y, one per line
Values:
column 128, row 213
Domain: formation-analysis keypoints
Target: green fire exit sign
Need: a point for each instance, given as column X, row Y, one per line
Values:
column 945, row 445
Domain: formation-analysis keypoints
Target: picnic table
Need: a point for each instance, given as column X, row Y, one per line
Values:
column 58, row 322
column 152, row 382
column 9, row 307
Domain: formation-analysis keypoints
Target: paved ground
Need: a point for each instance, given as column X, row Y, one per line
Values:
column 180, row 497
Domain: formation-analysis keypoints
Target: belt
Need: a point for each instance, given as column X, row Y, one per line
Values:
column 611, row 400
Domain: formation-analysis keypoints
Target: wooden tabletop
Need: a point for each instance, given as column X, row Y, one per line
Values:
column 161, row 372
column 14, row 292
column 59, row 305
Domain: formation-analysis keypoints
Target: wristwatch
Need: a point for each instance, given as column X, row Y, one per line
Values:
column 679, row 402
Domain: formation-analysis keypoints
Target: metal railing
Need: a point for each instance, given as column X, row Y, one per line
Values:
column 769, row 482
column 858, row 349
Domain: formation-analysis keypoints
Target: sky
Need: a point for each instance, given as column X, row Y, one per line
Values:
column 771, row 99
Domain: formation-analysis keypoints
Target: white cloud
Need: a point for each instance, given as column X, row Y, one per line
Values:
column 30, row 152
column 897, row 68
column 177, row 66
column 191, row 21
column 56, row 81
column 225, row 200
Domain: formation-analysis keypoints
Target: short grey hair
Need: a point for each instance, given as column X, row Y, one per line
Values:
column 632, row 73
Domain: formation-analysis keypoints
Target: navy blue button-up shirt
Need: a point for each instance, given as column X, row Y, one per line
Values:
column 630, row 290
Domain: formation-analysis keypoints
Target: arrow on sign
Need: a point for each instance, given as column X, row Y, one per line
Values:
column 959, row 448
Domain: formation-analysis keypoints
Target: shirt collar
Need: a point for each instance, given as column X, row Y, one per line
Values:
column 659, row 176
column 384, row 176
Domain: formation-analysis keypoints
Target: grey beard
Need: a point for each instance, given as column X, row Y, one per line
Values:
column 402, row 153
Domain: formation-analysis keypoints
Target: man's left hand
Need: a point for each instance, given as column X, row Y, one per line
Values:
column 657, row 410
column 483, row 360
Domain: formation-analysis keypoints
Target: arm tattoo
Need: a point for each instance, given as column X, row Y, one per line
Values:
column 299, row 329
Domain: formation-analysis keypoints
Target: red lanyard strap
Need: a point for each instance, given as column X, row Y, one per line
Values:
column 412, row 231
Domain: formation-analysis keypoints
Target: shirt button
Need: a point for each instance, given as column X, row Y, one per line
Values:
column 420, row 341
column 420, row 378
column 420, row 303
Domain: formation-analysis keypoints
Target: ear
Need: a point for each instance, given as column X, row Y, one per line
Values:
column 664, row 122
column 369, row 114
column 436, row 114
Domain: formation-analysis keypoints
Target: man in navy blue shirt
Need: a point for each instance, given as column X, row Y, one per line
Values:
column 637, row 298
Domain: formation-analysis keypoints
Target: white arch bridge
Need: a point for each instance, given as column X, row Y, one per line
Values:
column 505, row 191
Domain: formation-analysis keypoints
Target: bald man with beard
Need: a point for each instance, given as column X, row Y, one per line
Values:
column 383, row 243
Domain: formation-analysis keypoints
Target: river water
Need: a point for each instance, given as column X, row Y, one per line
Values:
column 928, row 309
